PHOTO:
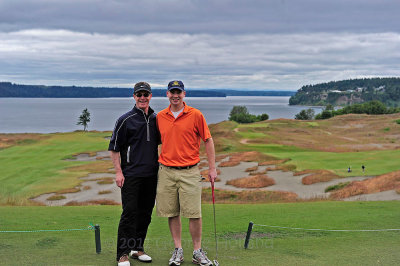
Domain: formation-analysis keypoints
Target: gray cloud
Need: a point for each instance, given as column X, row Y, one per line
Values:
column 201, row 16
column 279, row 45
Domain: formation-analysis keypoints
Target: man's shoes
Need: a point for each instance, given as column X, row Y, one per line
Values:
column 177, row 257
column 124, row 261
column 140, row 255
column 200, row 258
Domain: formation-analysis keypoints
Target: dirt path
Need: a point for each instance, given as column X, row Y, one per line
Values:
column 284, row 181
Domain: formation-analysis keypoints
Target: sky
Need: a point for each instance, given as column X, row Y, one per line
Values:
column 252, row 44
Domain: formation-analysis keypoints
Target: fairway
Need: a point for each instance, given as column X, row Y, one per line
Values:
column 35, row 167
column 267, row 246
column 377, row 162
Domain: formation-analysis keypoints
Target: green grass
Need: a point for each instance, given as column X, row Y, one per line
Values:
column 313, row 124
column 254, row 125
column 267, row 246
column 36, row 167
column 376, row 162
column 251, row 135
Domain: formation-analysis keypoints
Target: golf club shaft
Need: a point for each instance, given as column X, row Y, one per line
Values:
column 215, row 224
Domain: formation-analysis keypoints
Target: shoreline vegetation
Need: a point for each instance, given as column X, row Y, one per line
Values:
column 35, row 164
column 348, row 92
column 8, row 89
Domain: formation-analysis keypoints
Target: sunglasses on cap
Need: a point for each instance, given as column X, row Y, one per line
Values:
column 140, row 94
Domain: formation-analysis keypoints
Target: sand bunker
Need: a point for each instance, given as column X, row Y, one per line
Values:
column 284, row 181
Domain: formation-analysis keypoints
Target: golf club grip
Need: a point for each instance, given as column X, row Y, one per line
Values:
column 212, row 192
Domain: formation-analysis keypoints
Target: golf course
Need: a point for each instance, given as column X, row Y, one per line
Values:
column 316, row 153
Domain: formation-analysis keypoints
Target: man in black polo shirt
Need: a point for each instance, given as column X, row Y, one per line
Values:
column 133, row 148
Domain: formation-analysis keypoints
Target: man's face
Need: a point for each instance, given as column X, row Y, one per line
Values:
column 142, row 99
column 176, row 96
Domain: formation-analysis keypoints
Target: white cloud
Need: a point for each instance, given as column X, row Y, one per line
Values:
column 256, row 61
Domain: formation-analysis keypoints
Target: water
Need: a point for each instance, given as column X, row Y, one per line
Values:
column 48, row 115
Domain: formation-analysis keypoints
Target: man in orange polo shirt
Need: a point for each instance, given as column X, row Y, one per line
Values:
column 179, row 181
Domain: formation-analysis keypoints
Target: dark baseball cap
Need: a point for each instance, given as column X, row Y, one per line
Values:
column 142, row 86
column 176, row 84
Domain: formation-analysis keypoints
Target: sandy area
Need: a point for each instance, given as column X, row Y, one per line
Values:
column 284, row 181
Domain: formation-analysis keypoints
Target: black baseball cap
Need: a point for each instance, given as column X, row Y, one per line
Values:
column 176, row 84
column 142, row 86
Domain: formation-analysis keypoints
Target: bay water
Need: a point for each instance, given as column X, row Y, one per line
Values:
column 49, row 115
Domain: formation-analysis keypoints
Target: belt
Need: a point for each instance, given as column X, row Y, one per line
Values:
column 181, row 167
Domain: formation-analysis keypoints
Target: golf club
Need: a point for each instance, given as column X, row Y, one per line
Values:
column 215, row 227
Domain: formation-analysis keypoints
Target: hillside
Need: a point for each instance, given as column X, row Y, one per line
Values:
column 386, row 90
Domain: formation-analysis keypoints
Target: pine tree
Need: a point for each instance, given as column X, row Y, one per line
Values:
column 84, row 119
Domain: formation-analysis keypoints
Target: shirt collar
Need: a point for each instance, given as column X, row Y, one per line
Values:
column 185, row 108
column 150, row 111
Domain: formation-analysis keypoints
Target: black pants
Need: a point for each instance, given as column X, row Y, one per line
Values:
column 138, row 197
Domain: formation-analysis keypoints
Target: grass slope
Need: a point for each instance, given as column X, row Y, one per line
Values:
column 333, row 144
column 267, row 246
column 31, row 168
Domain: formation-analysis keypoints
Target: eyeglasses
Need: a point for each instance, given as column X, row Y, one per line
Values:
column 145, row 94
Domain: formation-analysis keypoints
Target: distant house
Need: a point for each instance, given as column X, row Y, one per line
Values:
column 335, row 91
column 380, row 88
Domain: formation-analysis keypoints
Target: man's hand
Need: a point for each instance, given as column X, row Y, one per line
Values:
column 212, row 175
column 119, row 179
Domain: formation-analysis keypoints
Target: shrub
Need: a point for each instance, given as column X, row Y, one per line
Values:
column 263, row 117
column 398, row 121
column 305, row 115
column 370, row 108
column 324, row 115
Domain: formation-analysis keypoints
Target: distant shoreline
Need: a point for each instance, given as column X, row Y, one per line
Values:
column 11, row 90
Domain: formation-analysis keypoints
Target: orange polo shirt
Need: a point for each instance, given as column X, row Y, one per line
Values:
column 180, row 137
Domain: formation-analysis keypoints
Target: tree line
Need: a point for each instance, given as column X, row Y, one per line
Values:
column 370, row 108
column 385, row 90
column 8, row 89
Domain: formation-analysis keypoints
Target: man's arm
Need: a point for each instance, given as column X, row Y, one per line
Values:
column 212, row 171
column 119, row 177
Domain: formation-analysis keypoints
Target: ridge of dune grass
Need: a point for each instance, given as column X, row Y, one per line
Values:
column 10, row 139
column 380, row 183
column 39, row 167
column 255, row 181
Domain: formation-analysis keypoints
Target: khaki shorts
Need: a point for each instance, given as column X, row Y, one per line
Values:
column 179, row 192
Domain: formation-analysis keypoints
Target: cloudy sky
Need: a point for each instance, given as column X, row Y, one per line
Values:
column 252, row 44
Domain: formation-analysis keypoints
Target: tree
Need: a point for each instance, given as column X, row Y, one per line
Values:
column 84, row 119
column 305, row 114
column 237, row 110
column 240, row 114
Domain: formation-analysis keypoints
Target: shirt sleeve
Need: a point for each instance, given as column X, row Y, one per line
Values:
column 118, row 138
column 202, row 127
